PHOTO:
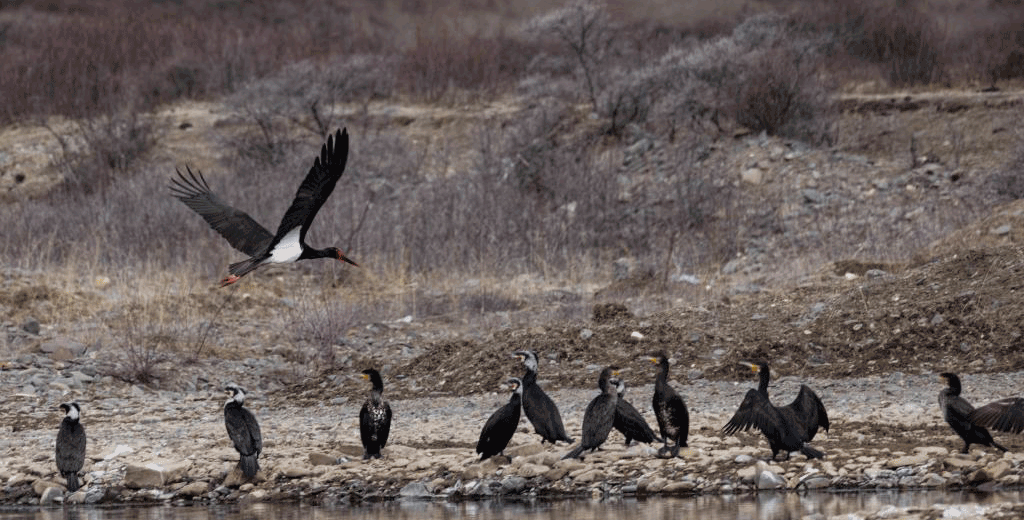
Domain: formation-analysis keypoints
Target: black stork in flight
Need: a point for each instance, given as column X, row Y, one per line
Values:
column 248, row 236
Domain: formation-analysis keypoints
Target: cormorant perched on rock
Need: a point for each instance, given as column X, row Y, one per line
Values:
column 1005, row 415
column 539, row 408
column 600, row 415
column 669, row 409
column 788, row 428
column 70, row 445
column 629, row 421
column 243, row 430
column 956, row 410
column 374, row 417
column 502, row 424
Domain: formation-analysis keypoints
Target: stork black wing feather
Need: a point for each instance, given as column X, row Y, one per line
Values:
column 237, row 227
column 316, row 187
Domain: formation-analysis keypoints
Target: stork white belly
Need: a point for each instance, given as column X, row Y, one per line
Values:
column 287, row 250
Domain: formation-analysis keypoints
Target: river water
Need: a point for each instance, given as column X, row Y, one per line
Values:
column 766, row 506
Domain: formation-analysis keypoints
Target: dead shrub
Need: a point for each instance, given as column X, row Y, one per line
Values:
column 446, row 58
column 586, row 29
column 780, row 93
column 900, row 36
column 143, row 341
column 104, row 149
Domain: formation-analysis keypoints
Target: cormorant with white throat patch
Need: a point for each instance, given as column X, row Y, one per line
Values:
column 538, row 407
column 243, row 430
column 70, row 453
column 374, row 417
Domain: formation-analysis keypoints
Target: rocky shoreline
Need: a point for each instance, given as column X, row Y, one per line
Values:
column 150, row 446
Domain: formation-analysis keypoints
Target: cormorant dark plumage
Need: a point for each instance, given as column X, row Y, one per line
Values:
column 539, row 408
column 629, row 421
column 669, row 409
column 502, row 424
column 374, row 417
column 788, row 428
column 956, row 410
column 599, row 417
column 248, row 236
column 70, row 445
column 243, row 430
column 1005, row 415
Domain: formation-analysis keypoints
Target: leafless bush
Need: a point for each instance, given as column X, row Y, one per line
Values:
column 144, row 342
column 104, row 149
column 765, row 76
column 902, row 37
column 446, row 58
column 585, row 27
column 323, row 325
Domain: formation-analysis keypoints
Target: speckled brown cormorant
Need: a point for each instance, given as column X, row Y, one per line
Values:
column 502, row 424
column 538, row 407
column 374, row 417
column 248, row 236
column 788, row 428
column 599, row 416
column 71, row 445
column 669, row 409
column 628, row 420
column 956, row 410
column 243, row 430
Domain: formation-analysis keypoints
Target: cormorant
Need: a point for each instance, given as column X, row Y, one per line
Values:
column 70, row 445
column 502, row 424
column 599, row 416
column 374, row 417
column 669, row 409
column 248, row 236
column 243, row 430
column 956, row 410
column 539, row 408
column 788, row 428
column 1005, row 415
column 628, row 420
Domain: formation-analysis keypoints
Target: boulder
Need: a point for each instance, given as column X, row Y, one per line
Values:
column 194, row 489
column 142, row 477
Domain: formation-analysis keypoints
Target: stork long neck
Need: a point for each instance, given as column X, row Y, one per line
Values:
column 309, row 253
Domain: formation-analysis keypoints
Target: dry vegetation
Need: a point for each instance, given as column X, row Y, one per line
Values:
column 489, row 140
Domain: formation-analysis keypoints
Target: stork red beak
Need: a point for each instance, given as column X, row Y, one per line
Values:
column 343, row 258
